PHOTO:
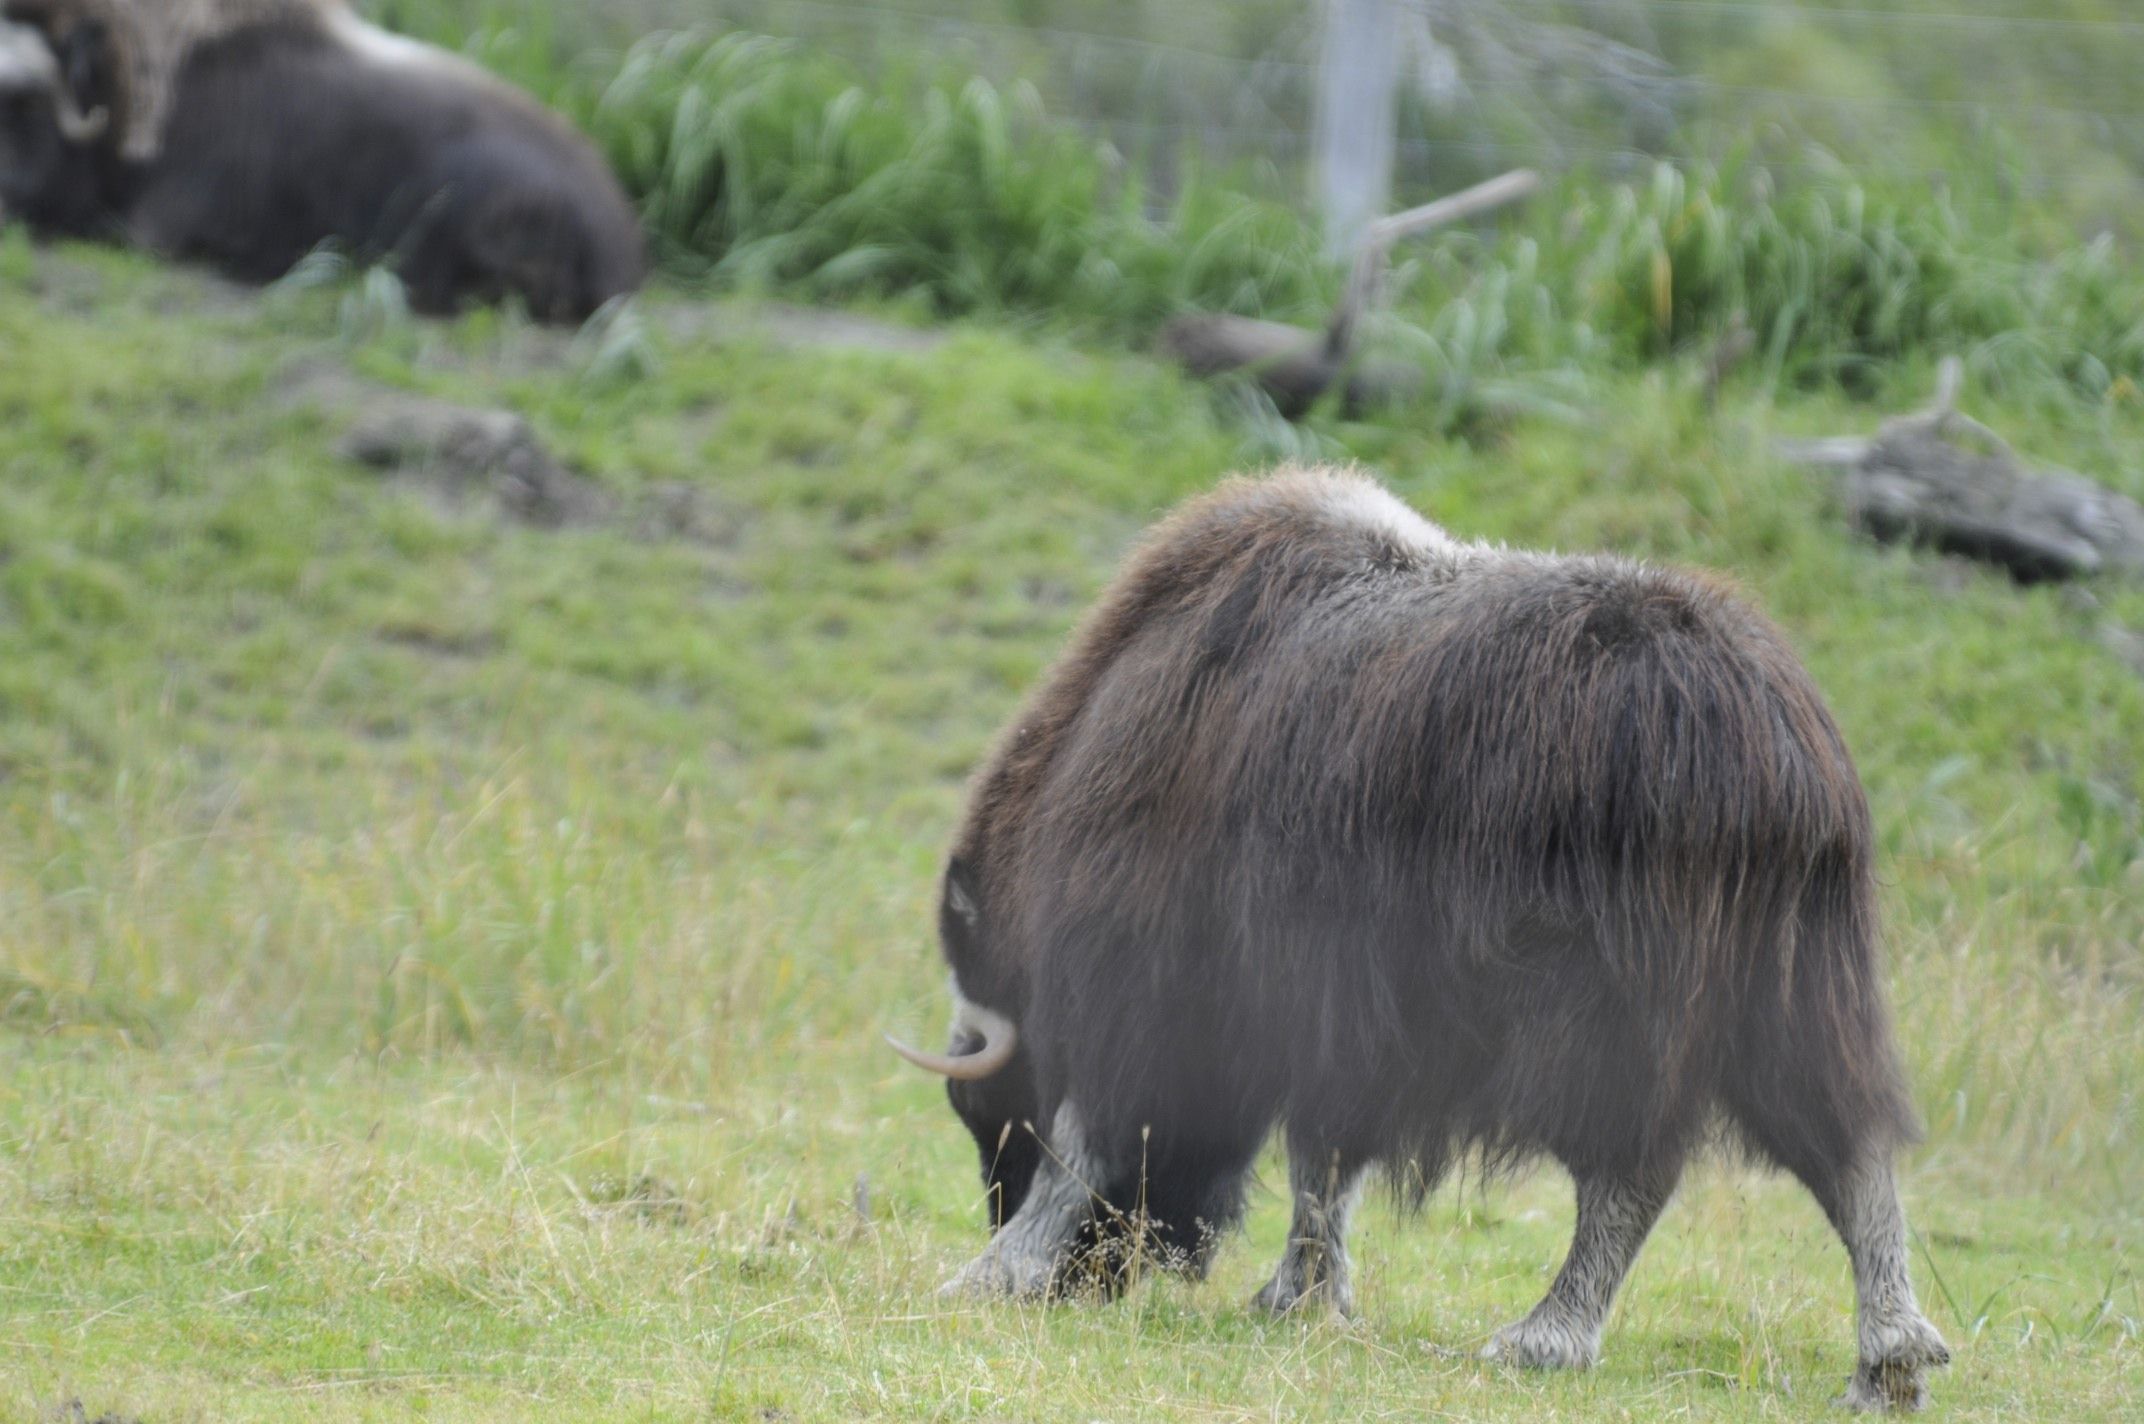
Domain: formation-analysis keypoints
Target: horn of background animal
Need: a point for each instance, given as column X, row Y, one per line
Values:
column 1000, row 1037
column 75, row 125
column 150, row 42
column 26, row 55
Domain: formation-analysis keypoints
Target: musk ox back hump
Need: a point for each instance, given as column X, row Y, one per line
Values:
column 399, row 151
column 1310, row 746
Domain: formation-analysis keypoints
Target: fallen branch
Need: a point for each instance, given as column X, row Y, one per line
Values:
column 1295, row 366
column 1920, row 480
column 1373, row 254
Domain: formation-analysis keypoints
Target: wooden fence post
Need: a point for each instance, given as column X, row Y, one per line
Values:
column 1358, row 90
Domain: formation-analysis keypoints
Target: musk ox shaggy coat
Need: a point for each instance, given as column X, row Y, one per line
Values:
column 246, row 133
column 1408, row 846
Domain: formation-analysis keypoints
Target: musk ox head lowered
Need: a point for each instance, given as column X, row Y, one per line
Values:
column 246, row 133
column 44, row 132
column 1407, row 846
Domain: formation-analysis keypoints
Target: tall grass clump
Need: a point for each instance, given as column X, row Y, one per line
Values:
column 1833, row 282
column 762, row 165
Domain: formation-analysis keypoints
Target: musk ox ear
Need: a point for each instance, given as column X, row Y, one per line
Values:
column 960, row 892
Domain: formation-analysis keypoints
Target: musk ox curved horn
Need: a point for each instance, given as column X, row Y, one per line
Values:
column 27, row 64
column 1000, row 1038
column 75, row 125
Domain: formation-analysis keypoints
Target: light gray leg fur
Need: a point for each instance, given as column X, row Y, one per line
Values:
column 1023, row 1259
column 1315, row 1267
column 1564, row 1331
column 1897, row 1341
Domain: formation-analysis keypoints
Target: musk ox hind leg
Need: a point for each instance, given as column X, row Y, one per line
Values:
column 1827, row 1105
column 1849, row 1173
column 1616, row 1212
column 1897, row 1343
column 1027, row 1257
column 1326, row 1185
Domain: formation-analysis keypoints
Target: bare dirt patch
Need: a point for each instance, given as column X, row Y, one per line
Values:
column 800, row 327
column 73, row 1411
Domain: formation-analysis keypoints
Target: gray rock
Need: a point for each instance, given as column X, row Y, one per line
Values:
column 464, row 451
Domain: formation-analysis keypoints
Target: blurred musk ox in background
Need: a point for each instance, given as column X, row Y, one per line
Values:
column 246, row 133
column 1411, row 846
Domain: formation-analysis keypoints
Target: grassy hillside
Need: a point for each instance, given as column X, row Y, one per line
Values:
column 913, row 167
column 442, row 959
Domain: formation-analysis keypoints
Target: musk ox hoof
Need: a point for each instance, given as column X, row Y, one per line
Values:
column 1304, row 1287
column 1003, row 1275
column 1285, row 1294
column 1893, row 1380
column 1544, row 1342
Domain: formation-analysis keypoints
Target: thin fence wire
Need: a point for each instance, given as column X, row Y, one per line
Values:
column 1497, row 83
column 1897, row 18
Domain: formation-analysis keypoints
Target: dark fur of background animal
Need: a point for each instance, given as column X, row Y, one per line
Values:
column 305, row 127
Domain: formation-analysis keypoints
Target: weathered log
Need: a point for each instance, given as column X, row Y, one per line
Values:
column 1291, row 365
column 1295, row 366
column 1918, row 480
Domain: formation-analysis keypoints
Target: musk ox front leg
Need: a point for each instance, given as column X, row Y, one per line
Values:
column 1897, row 1342
column 1615, row 1215
column 1025, row 1258
column 1314, row 1267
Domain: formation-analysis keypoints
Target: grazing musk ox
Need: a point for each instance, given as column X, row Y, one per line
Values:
column 1411, row 846
column 246, row 133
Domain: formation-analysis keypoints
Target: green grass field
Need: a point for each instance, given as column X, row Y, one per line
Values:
column 442, row 960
